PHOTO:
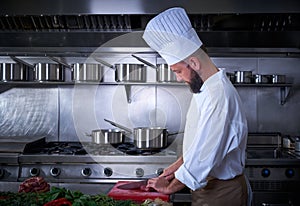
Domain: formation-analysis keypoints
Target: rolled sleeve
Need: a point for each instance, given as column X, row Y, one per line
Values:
column 183, row 175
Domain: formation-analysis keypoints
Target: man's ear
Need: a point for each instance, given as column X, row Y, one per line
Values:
column 194, row 63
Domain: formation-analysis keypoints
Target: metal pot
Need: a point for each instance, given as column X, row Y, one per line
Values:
column 278, row 79
column 165, row 74
column 107, row 136
column 297, row 145
column 87, row 72
column 49, row 72
column 130, row 73
column 243, row 76
column 262, row 78
column 13, row 72
column 231, row 77
column 147, row 137
column 150, row 137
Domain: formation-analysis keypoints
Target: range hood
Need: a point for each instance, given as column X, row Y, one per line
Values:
column 81, row 25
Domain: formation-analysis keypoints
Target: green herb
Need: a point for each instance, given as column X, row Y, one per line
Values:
column 77, row 198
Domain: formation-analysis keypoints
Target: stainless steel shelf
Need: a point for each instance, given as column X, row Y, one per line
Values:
column 284, row 89
column 45, row 83
column 4, row 86
column 262, row 85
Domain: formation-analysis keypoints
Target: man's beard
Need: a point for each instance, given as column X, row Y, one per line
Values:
column 195, row 83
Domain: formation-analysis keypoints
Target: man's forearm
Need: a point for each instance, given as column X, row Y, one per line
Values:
column 175, row 186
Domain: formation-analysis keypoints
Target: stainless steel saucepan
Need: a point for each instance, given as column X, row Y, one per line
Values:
column 147, row 137
column 165, row 74
column 87, row 72
column 107, row 136
column 49, row 72
column 243, row 77
column 13, row 72
column 130, row 73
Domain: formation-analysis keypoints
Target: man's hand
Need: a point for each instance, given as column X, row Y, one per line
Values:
column 160, row 184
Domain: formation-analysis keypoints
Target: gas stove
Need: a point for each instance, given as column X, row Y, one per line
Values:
column 90, row 162
column 273, row 171
column 9, row 167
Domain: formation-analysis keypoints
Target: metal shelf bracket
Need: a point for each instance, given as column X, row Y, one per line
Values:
column 284, row 93
column 128, row 92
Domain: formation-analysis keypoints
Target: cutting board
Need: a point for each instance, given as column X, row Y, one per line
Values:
column 136, row 195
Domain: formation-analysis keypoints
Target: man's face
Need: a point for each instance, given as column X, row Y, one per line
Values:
column 185, row 73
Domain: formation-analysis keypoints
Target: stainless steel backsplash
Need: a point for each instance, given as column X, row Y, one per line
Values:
column 69, row 112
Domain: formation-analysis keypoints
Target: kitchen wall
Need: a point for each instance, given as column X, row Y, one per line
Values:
column 262, row 104
column 70, row 112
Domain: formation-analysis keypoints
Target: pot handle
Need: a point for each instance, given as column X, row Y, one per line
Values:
column 144, row 61
column 174, row 133
column 20, row 61
column 104, row 62
column 87, row 134
column 118, row 125
column 59, row 61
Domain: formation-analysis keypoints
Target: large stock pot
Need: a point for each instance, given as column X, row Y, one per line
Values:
column 130, row 73
column 13, row 72
column 49, row 72
column 243, row 77
column 87, row 72
column 165, row 74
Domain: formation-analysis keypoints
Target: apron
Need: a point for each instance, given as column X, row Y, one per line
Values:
column 233, row 192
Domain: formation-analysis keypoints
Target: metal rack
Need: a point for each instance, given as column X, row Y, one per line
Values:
column 284, row 89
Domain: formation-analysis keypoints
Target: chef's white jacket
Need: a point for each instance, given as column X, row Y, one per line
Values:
column 215, row 134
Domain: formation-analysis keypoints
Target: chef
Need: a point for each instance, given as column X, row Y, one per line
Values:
column 214, row 143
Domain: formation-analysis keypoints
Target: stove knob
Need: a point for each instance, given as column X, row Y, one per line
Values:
column 289, row 173
column 2, row 173
column 139, row 172
column 34, row 172
column 108, row 172
column 54, row 172
column 159, row 171
column 86, row 172
column 265, row 172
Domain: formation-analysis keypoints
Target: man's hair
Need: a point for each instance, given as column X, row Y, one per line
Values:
column 203, row 47
column 201, row 53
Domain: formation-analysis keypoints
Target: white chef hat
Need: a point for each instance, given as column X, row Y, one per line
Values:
column 171, row 34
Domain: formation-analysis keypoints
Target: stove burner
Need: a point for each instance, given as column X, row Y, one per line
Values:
column 131, row 149
column 69, row 148
column 97, row 149
column 78, row 148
